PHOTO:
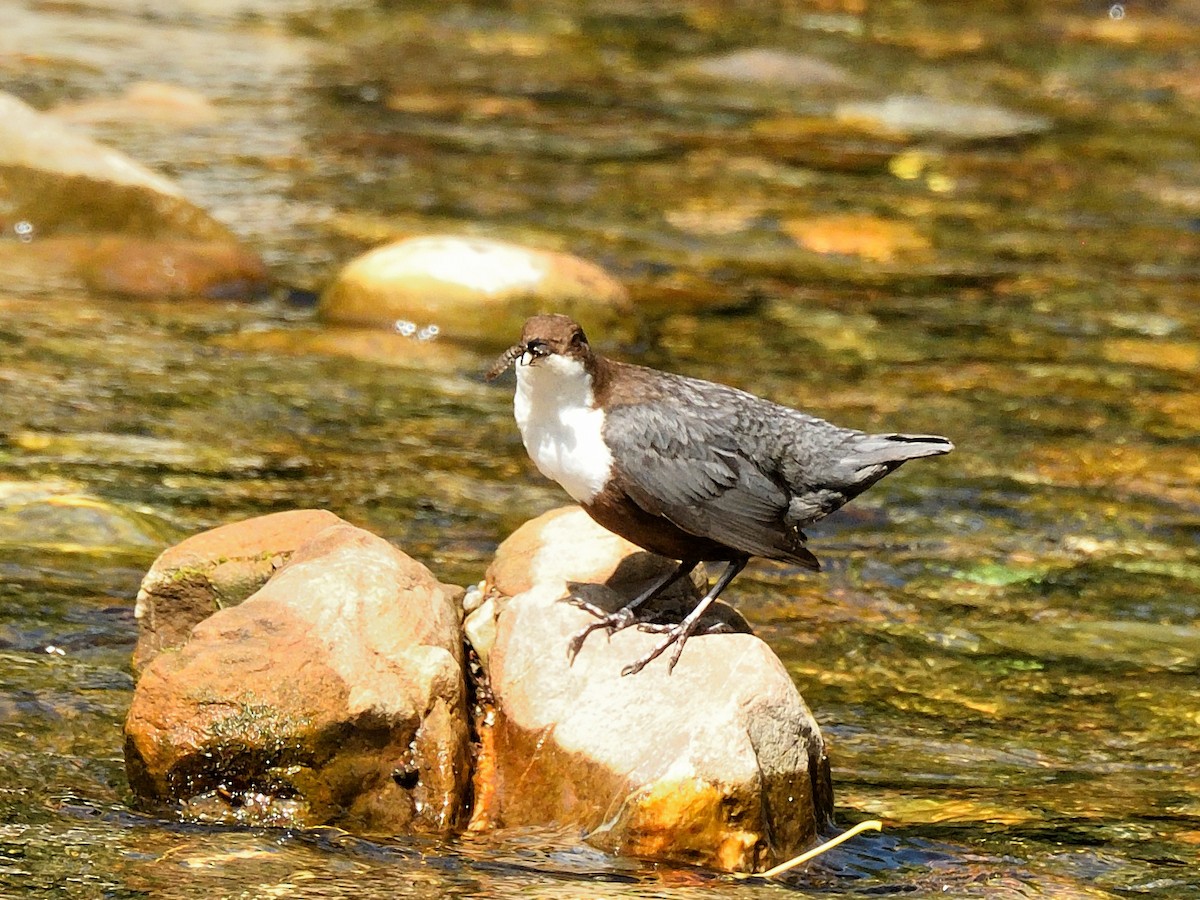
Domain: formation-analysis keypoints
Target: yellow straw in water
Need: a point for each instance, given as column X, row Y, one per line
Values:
column 869, row 825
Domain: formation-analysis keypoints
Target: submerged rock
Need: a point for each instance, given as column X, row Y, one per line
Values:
column 133, row 266
column 767, row 67
column 141, row 267
column 864, row 236
column 918, row 117
column 718, row 763
column 468, row 287
column 383, row 348
column 63, row 517
column 144, row 101
column 334, row 695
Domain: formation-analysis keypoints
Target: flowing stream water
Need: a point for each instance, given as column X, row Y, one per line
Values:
column 1004, row 646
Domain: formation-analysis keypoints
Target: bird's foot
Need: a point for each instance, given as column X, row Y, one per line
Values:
column 611, row 622
column 677, row 636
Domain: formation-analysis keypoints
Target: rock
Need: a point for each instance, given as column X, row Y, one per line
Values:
column 1162, row 32
column 385, row 348
column 215, row 570
column 767, row 67
column 334, row 695
column 141, row 267
column 525, row 560
column 62, row 517
column 918, row 117
column 145, row 101
column 133, row 266
column 718, row 763
column 55, row 178
column 1156, row 353
column 90, row 219
column 868, row 237
column 468, row 287
column 818, row 142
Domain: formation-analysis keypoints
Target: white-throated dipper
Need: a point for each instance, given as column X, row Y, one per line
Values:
column 687, row 469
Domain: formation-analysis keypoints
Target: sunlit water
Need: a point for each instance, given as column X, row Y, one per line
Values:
column 1003, row 648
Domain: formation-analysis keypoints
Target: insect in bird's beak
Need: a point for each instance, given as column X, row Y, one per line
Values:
column 507, row 358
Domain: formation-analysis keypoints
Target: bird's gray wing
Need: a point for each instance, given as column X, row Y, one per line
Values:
column 685, row 464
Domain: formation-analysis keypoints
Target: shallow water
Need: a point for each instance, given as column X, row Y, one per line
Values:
column 1003, row 648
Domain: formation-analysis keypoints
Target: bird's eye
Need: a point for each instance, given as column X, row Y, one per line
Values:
column 537, row 348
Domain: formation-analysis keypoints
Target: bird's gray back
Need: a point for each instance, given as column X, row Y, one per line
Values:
column 702, row 436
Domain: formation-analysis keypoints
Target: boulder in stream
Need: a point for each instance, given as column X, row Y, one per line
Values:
column 468, row 286
column 328, row 687
column 58, row 178
column 214, row 570
column 87, row 217
column 717, row 763
column 335, row 694
column 62, row 517
column 767, row 67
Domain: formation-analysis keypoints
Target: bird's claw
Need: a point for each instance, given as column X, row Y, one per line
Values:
column 677, row 636
column 610, row 622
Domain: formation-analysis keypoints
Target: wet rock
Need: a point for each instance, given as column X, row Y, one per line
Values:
column 868, row 237
column 387, row 348
column 55, row 178
column 468, row 287
column 145, row 101
column 215, row 570
column 712, row 217
column 89, row 218
column 134, row 267
column 718, row 763
column 818, row 142
column 1180, row 356
column 768, row 67
column 140, row 267
column 1143, row 29
column 333, row 695
column 920, row 117
column 61, row 516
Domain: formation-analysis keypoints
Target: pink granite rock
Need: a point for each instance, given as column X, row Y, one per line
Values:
column 334, row 695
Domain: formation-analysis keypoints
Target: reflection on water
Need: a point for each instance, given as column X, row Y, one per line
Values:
column 1003, row 647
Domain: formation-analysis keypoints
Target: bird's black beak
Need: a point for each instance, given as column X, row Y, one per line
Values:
column 534, row 350
column 526, row 353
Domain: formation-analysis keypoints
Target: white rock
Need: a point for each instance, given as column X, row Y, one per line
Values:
column 462, row 284
column 718, row 762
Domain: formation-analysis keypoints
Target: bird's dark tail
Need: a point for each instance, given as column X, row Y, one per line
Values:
column 854, row 465
column 893, row 449
column 872, row 456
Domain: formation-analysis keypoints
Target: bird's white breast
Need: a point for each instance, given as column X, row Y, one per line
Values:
column 561, row 427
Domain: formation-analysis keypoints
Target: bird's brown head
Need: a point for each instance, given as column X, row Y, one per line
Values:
column 543, row 337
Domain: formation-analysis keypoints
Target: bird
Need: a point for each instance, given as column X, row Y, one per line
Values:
column 688, row 469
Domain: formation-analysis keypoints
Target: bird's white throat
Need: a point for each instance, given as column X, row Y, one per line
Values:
column 561, row 426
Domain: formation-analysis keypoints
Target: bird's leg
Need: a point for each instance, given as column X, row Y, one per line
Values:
column 679, row 634
column 624, row 617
